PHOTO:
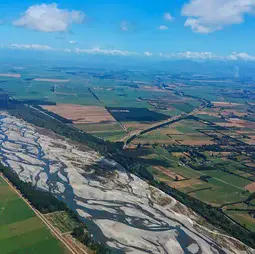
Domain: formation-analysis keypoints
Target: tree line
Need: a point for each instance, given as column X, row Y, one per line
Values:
column 114, row 150
column 45, row 202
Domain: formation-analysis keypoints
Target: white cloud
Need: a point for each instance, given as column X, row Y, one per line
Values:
column 124, row 26
column 147, row 53
column 189, row 55
column 206, row 16
column 115, row 52
column 29, row 47
column 168, row 16
column 235, row 56
column 162, row 27
column 73, row 42
column 241, row 56
column 197, row 27
column 93, row 51
column 208, row 56
column 48, row 18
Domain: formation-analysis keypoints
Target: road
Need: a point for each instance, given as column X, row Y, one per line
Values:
column 136, row 133
column 54, row 231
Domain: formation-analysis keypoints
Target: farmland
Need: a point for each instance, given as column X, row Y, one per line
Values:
column 20, row 229
column 62, row 221
column 207, row 152
column 81, row 114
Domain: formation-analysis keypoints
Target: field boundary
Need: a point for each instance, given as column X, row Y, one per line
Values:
column 52, row 229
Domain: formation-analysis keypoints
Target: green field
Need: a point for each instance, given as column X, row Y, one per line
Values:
column 111, row 135
column 212, row 119
column 226, row 188
column 21, row 231
column 98, row 128
column 244, row 218
column 164, row 155
column 228, row 178
column 62, row 221
column 222, row 193
column 138, row 98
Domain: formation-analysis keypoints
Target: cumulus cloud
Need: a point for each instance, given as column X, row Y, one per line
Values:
column 147, row 53
column 206, row 16
column 96, row 51
column 162, row 27
column 48, row 18
column 168, row 16
column 29, row 47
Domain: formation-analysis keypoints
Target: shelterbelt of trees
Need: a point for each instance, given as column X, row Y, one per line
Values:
column 45, row 202
column 114, row 150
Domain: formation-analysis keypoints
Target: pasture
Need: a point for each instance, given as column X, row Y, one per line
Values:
column 216, row 142
column 21, row 231
column 62, row 221
column 107, row 131
column 244, row 218
column 188, row 132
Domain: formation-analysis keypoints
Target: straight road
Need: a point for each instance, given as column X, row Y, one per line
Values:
column 136, row 133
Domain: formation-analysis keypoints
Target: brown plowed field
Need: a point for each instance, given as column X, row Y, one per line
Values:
column 168, row 172
column 186, row 183
column 135, row 125
column 81, row 114
column 250, row 187
column 225, row 104
column 239, row 123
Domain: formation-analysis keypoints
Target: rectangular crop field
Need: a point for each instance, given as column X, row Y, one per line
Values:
column 107, row 131
column 243, row 218
column 81, row 114
column 21, row 231
column 136, row 114
column 62, row 221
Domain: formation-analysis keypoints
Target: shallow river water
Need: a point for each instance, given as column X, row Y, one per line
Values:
column 120, row 209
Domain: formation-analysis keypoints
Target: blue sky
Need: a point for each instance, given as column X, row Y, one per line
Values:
column 162, row 28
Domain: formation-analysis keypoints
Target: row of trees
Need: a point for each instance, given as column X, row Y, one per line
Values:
column 42, row 201
column 39, row 119
column 84, row 237
column 213, row 215
column 45, row 202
